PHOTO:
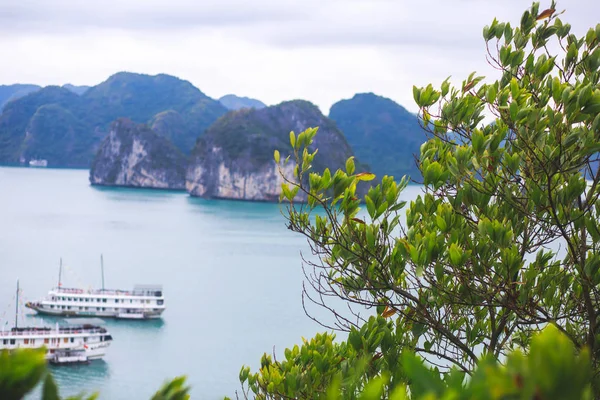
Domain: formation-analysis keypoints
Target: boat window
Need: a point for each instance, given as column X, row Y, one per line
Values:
column 46, row 341
column 116, row 300
column 84, row 340
column 72, row 340
column 51, row 306
column 160, row 302
column 66, row 340
column 68, row 298
column 26, row 341
column 5, row 341
column 68, row 307
column 12, row 341
column 104, row 300
column 103, row 308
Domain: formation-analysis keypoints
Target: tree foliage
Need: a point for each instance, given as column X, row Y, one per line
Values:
column 504, row 239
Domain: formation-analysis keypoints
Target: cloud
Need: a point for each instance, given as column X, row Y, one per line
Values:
column 319, row 50
column 145, row 15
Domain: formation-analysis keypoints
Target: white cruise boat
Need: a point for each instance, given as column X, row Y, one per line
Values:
column 143, row 302
column 38, row 163
column 86, row 339
column 79, row 340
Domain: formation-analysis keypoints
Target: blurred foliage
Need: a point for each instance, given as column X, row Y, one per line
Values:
column 23, row 369
column 361, row 369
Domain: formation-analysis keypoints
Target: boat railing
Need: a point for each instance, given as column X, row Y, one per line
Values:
column 50, row 331
column 153, row 293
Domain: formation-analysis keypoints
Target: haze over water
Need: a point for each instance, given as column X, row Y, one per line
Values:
column 231, row 273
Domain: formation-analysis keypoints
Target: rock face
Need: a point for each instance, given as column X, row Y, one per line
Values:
column 233, row 102
column 233, row 159
column 384, row 134
column 135, row 156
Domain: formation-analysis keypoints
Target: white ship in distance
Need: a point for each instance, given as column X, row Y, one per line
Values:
column 141, row 302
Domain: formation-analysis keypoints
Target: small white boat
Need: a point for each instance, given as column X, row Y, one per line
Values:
column 69, row 357
column 84, row 339
column 38, row 163
column 142, row 302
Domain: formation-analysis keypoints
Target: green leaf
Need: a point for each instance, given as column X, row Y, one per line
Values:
column 50, row 390
column 350, row 165
column 455, row 253
column 365, row 176
column 417, row 95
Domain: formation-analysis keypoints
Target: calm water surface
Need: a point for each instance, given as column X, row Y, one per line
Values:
column 231, row 273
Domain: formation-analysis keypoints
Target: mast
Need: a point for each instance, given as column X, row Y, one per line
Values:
column 17, row 307
column 102, row 269
column 59, row 272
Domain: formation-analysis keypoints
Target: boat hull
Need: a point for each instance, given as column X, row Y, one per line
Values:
column 100, row 314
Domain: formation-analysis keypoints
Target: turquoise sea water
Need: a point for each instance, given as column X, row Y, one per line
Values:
column 231, row 273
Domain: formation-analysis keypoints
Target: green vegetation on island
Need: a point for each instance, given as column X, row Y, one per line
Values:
column 382, row 133
column 87, row 117
column 12, row 92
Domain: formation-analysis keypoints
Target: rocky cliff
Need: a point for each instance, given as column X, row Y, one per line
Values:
column 233, row 159
column 135, row 156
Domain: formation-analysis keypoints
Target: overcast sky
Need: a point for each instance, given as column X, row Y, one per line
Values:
column 272, row 50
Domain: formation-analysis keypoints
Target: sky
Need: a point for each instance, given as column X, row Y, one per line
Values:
column 273, row 50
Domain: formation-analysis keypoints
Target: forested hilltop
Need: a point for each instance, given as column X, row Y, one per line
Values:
column 382, row 133
column 57, row 124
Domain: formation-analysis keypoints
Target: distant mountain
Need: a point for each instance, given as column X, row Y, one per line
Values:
column 234, row 157
column 64, row 128
column 382, row 133
column 141, row 97
column 47, row 124
column 76, row 89
column 12, row 92
column 134, row 155
column 233, row 102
